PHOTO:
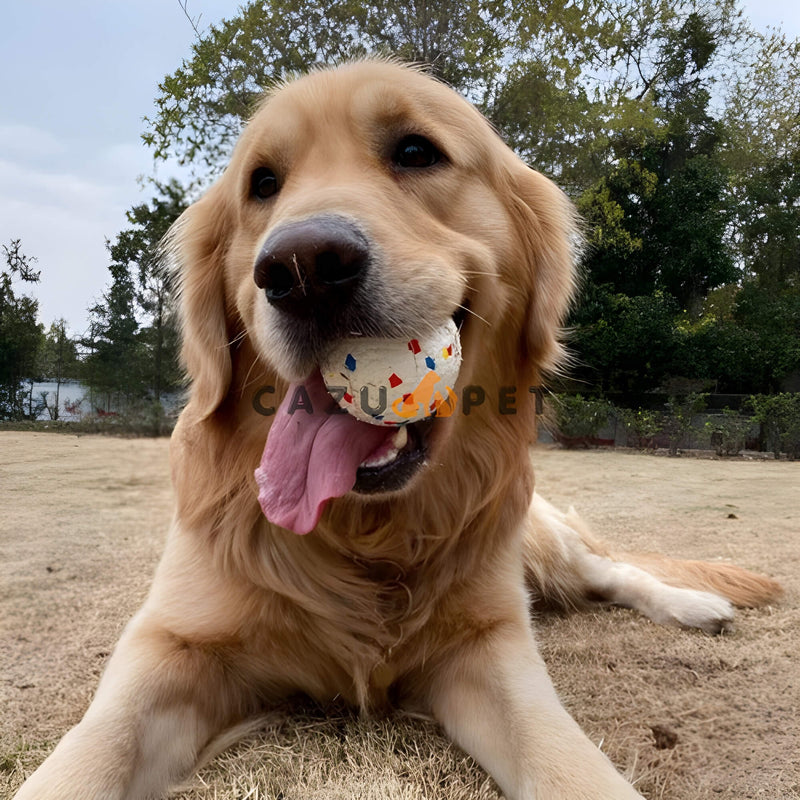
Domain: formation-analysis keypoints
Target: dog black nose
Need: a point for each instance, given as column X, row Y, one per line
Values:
column 313, row 264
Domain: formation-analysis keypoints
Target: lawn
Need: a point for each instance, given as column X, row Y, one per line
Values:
column 686, row 715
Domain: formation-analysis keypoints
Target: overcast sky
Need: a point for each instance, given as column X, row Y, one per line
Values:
column 76, row 78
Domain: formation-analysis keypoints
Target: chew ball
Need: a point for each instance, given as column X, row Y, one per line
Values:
column 395, row 381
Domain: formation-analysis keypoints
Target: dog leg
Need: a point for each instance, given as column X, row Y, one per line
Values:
column 629, row 586
column 567, row 565
column 495, row 700
column 158, row 704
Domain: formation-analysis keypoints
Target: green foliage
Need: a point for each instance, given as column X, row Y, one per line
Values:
column 559, row 80
column 686, row 248
column 607, row 207
column 748, row 341
column 138, row 249
column 623, row 343
column 771, row 316
column 662, row 213
column 58, row 357
column 679, row 418
column 20, row 334
column 114, row 363
column 763, row 142
column 200, row 107
column 779, row 416
column 659, row 218
column 133, row 340
column 57, row 361
column 728, row 431
column 576, row 417
column 771, row 221
column 721, row 353
column 673, row 125
column 643, row 424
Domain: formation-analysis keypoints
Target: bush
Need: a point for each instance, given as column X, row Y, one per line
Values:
column 727, row 432
column 681, row 412
column 643, row 425
column 575, row 417
column 779, row 416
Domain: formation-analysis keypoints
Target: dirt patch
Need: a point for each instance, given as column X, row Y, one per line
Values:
column 688, row 716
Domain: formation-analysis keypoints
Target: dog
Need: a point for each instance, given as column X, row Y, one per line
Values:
column 368, row 200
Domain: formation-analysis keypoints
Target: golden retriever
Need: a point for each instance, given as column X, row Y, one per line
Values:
column 367, row 200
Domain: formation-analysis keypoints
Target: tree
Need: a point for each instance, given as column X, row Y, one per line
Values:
column 761, row 120
column 20, row 334
column 770, row 222
column 673, row 125
column 559, row 80
column 132, row 343
column 137, row 249
column 772, row 316
column 58, row 361
column 622, row 343
column 201, row 106
column 525, row 65
column 661, row 209
column 114, row 364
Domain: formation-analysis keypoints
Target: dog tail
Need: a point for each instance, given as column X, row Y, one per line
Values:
column 741, row 587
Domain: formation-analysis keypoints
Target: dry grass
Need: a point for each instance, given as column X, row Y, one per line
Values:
column 688, row 716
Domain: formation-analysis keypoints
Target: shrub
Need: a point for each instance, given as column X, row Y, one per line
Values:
column 779, row 416
column 727, row 432
column 575, row 417
column 643, row 425
column 679, row 416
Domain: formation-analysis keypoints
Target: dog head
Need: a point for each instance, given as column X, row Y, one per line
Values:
column 371, row 200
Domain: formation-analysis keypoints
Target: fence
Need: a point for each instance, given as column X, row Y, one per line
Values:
column 727, row 424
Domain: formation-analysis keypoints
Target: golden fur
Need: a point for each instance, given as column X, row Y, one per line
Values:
column 418, row 597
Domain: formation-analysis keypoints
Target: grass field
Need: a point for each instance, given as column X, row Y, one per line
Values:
column 687, row 716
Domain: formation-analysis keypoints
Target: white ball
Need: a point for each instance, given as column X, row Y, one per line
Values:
column 396, row 381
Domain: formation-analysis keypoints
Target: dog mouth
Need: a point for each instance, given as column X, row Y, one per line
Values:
column 316, row 451
column 395, row 462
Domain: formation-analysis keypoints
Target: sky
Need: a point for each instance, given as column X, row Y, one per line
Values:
column 76, row 79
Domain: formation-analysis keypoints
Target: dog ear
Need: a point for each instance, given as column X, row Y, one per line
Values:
column 551, row 238
column 197, row 246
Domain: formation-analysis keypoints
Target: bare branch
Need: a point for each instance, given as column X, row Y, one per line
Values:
column 18, row 262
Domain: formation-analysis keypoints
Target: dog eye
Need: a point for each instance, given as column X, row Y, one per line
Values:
column 416, row 152
column 263, row 183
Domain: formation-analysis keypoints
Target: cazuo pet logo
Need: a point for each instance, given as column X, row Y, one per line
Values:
column 423, row 396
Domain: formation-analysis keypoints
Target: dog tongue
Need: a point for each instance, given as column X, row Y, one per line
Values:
column 309, row 457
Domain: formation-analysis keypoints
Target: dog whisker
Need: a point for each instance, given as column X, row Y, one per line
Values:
column 300, row 277
column 475, row 314
column 236, row 339
column 247, row 382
